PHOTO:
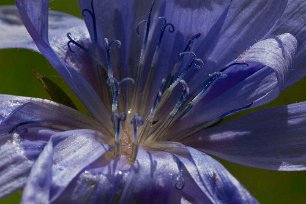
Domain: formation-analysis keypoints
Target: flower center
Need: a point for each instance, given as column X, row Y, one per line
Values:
column 135, row 124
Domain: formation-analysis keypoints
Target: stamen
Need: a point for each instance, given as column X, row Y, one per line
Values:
column 117, row 118
column 93, row 17
column 182, row 98
column 152, row 70
column 191, row 41
column 183, row 106
column 203, row 90
column 136, row 122
column 138, row 26
column 195, row 63
column 157, row 100
column 113, row 84
column 213, row 78
column 164, row 27
column 108, row 47
column 143, row 51
column 148, row 24
column 168, row 86
column 181, row 57
column 165, row 92
column 126, row 80
column 72, row 41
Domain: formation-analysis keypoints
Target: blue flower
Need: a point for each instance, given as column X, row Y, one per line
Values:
column 158, row 79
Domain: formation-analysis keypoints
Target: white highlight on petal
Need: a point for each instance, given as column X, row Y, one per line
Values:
column 276, row 53
column 228, row 135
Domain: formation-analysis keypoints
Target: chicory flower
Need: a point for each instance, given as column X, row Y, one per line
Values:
column 157, row 78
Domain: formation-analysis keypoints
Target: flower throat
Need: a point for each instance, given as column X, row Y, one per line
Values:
column 136, row 126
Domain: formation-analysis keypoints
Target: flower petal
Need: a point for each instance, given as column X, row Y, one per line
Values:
column 218, row 182
column 248, row 84
column 151, row 179
column 270, row 139
column 159, row 173
column 190, row 18
column 35, row 17
column 276, row 53
column 17, row 112
column 15, row 35
column 16, row 159
column 246, row 23
column 293, row 21
column 65, row 155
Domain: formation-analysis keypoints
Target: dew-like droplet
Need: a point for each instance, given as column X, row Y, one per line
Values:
column 179, row 181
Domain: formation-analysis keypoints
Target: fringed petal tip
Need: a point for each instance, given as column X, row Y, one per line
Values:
column 276, row 53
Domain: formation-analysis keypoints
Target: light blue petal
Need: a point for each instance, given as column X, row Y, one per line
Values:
column 247, row 22
column 220, row 185
column 293, row 21
column 65, row 155
column 18, row 112
column 276, row 53
column 271, row 139
column 151, row 179
column 262, row 85
column 14, row 34
column 16, row 159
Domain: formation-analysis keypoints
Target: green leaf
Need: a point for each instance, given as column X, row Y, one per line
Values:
column 54, row 91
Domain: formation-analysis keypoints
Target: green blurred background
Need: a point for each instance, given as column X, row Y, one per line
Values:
column 16, row 77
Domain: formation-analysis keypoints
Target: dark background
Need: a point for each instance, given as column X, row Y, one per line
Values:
column 16, row 78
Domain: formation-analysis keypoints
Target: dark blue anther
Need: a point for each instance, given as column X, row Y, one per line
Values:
column 207, row 84
column 165, row 25
column 191, row 41
column 126, row 80
column 158, row 98
column 204, row 87
column 138, row 26
column 198, row 63
column 194, row 63
column 117, row 118
column 136, row 122
column 114, row 88
column 115, row 85
column 193, row 55
column 108, row 47
column 182, row 99
column 148, row 24
column 72, row 41
column 93, row 17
